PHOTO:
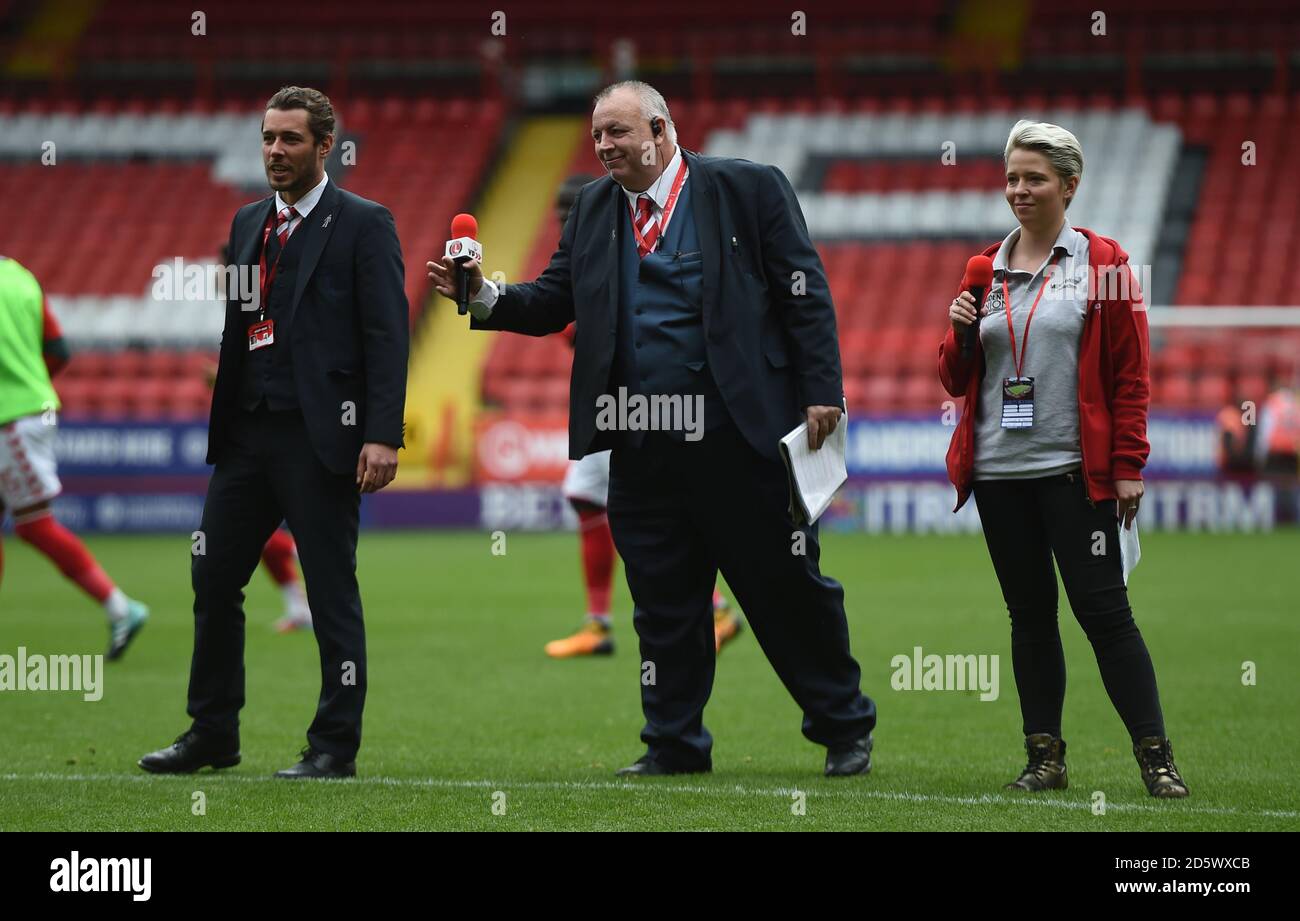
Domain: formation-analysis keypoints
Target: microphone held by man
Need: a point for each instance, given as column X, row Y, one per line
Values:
column 461, row 249
column 458, row 278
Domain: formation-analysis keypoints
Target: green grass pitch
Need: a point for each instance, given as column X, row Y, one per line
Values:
column 465, row 711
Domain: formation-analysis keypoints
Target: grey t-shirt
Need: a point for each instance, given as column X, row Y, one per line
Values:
column 1051, row 445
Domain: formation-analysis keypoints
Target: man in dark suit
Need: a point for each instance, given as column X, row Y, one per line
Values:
column 306, row 416
column 694, row 278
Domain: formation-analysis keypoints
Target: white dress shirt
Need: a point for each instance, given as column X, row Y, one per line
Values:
column 303, row 205
column 659, row 189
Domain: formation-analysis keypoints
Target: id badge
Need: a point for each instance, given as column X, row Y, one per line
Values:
column 260, row 335
column 1017, row 402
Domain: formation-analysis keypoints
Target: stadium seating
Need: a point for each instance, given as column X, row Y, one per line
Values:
column 894, row 228
column 135, row 185
column 1246, row 226
column 139, row 384
column 849, row 46
column 892, row 223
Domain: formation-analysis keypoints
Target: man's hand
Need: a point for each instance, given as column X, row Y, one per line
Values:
column 1128, row 495
column 821, row 422
column 443, row 274
column 376, row 466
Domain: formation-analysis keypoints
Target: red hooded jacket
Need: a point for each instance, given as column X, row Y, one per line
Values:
column 1114, row 380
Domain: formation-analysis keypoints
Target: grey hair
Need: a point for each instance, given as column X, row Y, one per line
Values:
column 653, row 104
column 1059, row 146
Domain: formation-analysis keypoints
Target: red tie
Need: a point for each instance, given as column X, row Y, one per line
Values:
column 282, row 222
column 646, row 226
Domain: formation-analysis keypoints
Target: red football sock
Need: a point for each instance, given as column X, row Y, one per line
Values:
column 67, row 552
column 278, row 555
column 597, row 558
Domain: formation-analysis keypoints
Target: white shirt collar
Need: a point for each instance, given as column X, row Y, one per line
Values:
column 661, row 187
column 1065, row 244
column 304, row 205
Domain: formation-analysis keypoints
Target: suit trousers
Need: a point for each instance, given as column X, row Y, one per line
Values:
column 681, row 511
column 268, row 472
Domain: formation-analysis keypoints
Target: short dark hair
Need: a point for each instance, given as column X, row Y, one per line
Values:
column 320, row 114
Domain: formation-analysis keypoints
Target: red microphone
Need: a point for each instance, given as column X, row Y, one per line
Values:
column 977, row 280
column 462, row 247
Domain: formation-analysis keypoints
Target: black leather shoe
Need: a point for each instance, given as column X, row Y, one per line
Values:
column 647, row 766
column 318, row 766
column 847, row 760
column 1156, row 758
column 191, row 751
column 1045, row 769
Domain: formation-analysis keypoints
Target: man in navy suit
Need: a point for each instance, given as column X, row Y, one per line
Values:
column 693, row 279
column 306, row 416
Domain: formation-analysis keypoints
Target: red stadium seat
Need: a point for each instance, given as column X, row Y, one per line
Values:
column 1212, row 390
column 187, row 400
column 1251, row 387
column 1174, row 392
column 880, row 394
column 76, row 395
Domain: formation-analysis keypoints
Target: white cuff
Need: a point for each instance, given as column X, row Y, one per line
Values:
column 481, row 306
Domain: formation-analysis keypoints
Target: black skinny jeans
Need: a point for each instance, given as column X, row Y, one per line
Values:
column 1026, row 523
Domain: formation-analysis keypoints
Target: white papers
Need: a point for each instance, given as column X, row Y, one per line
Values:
column 814, row 475
column 1130, row 551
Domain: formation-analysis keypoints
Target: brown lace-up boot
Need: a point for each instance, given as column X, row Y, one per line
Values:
column 1156, row 758
column 1046, row 767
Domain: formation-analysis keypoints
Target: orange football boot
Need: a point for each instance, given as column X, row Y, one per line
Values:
column 726, row 625
column 592, row 639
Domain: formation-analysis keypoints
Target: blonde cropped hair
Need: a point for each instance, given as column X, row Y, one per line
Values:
column 1059, row 146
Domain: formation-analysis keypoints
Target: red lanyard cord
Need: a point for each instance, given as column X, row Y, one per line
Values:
column 1006, row 307
column 668, row 210
column 266, row 277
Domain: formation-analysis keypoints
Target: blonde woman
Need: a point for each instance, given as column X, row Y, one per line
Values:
column 1052, row 444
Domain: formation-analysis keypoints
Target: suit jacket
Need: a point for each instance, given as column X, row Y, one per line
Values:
column 348, row 327
column 772, row 352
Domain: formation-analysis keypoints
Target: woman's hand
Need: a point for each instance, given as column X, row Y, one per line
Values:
column 962, row 312
column 1128, row 494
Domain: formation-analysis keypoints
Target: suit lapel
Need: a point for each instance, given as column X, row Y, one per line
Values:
column 237, row 319
column 248, row 256
column 317, row 226
column 704, row 206
column 614, row 209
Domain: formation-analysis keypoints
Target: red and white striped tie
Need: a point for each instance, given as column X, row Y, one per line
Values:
column 646, row 226
column 283, row 220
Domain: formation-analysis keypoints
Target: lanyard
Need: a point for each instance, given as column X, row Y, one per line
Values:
column 265, row 277
column 1006, row 307
column 668, row 210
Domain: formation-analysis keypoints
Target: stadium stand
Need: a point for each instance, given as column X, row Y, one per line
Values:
column 857, row 115
column 894, row 228
column 102, row 244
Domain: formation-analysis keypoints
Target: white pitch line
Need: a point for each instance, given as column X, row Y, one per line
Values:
column 986, row 799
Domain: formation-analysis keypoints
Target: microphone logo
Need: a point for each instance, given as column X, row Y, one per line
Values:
column 456, row 247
